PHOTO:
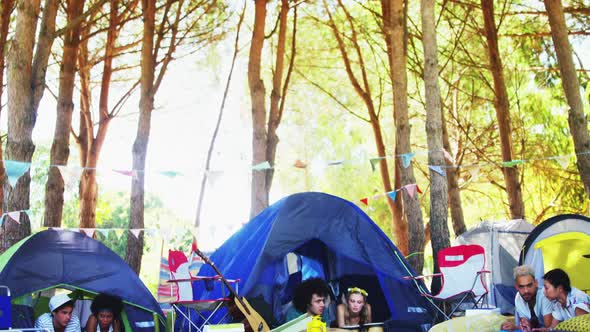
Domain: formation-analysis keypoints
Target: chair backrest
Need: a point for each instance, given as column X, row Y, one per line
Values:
column 179, row 270
column 459, row 266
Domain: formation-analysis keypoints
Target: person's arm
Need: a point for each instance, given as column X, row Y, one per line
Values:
column 369, row 313
column 340, row 315
column 548, row 319
column 580, row 312
column 91, row 324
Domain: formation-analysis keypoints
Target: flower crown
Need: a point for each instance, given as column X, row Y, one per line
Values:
column 357, row 290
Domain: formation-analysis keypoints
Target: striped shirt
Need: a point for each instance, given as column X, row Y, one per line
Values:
column 45, row 321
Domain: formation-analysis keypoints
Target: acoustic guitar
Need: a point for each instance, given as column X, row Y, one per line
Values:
column 253, row 318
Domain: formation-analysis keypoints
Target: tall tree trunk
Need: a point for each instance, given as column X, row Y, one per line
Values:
column 146, row 106
column 362, row 87
column 257, row 96
column 502, row 106
column 412, row 208
column 218, row 122
column 400, row 225
column 88, row 185
column 60, row 148
column 7, row 6
column 577, row 120
column 279, row 91
column 455, row 204
column 26, row 77
column 439, row 231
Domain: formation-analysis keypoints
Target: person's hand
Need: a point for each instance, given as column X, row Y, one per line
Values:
column 508, row 325
column 525, row 324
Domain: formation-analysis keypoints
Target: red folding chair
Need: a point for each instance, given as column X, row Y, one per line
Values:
column 462, row 270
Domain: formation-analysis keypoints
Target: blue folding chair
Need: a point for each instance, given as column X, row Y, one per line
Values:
column 5, row 313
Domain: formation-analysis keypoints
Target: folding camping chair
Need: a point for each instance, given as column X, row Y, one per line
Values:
column 205, row 309
column 462, row 270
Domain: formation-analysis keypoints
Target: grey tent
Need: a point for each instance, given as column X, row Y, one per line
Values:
column 502, row 242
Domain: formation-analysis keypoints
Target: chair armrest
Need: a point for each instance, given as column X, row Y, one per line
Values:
column 421, row 277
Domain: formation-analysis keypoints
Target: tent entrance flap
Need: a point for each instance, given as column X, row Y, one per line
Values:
column 564, row 251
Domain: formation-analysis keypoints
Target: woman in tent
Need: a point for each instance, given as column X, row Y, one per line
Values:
column 106, row 314
column 568, row 301
column 355, row 310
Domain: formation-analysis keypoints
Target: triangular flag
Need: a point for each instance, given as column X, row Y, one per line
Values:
column 392, row 195
column 124, row 172
column 14, row 215
column 418, row 189
column 365, row 201
column 437, row 169
column 28, row 212
column 104, row 232
column 118, row 232
column 411, row 189
column 512, row 163
column 262, row 166
column 135, row 232
column 335, row 162
column 15, row 169
column 374, row 162
column 448, row 156
column 88, row 231
column 299, row 164
column 474, row 172
column 2, row 219
column 377, row 196
column 70, row 175
column 171, row 173
column 563, row 161
column 407, row 159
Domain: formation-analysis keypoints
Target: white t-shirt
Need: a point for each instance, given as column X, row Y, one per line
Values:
column 575, row 299
column 45, row 321
column 542, row 307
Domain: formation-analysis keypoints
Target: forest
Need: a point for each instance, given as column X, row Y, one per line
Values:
column 431, row 116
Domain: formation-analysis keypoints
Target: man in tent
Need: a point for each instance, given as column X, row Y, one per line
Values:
column 310, row 298
column 60, row 319
column 532, row 308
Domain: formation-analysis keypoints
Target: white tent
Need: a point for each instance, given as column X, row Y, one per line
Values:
column 502, row 242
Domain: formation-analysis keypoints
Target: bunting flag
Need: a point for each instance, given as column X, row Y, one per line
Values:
column 563, row 161
column 136, row 232
column 132, row 173
column 88, row 231
column 474, row 172
column 437, row 169
column 262, row 166
column 448, row 156
column 299, row 164
column 392, row 195
column 171, row 174
column 104, row 231
column 407, row 159
column 365, row 201
column 377, row 196
column 2, row 220
column 118, row 232
column 374, row 162
column 70, row 175
column 411, row 189
column 15, row 169
column 512, row 163
column 14, row 215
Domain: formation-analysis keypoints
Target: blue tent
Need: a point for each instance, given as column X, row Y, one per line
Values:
column 66, row 259
column 331, row 238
